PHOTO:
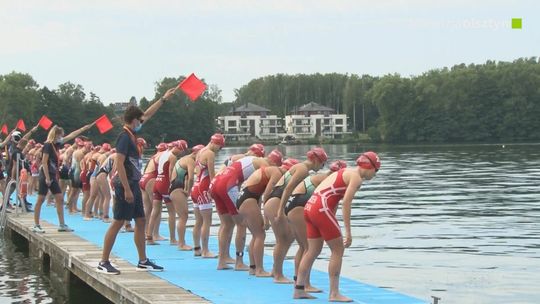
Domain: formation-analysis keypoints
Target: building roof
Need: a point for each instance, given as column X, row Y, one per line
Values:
column 314, row 107
column 248, row 107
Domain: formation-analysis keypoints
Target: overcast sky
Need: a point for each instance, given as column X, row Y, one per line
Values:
column 120, row 48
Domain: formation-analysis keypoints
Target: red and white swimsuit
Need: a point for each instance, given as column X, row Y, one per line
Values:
column 224, row 187
column 320, row 210
column 162, row 184
column 149, row 175
column 199, row 192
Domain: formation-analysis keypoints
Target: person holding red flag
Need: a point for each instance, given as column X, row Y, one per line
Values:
column 50, row 173
column 128, row 197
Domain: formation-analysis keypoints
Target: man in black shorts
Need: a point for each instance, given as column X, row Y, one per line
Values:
column 128, row 197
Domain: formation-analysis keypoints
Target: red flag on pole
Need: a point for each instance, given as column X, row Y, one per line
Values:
column 20, row 125
column 192, row 87
column 5, row 129
column 103, row 124
column 45, row 122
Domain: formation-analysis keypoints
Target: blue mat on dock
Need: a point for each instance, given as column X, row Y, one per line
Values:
column 201, row 277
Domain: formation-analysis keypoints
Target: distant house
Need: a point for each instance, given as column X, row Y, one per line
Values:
column 311, row 120
column 120, row 107
column 315, row 120
column 250, row 121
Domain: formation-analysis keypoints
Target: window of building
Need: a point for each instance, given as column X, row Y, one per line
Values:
column 243, row 123
column 339, row 129
column 327, row 121
column 231, row 123
column 339, row 121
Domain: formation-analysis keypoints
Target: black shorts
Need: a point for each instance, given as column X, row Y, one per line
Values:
column 122, row 210
column 176, row 184
column 297, row 200
column 43, row 188
column 64, row 172
column 244, row 195
column 276, row 192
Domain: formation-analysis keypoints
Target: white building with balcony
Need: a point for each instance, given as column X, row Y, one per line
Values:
column 314, row 120
column 250, row 121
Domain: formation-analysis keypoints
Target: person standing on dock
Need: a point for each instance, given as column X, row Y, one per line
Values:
column 128, row 197
column 50, row 172
column 322, row 225
column 202, row 202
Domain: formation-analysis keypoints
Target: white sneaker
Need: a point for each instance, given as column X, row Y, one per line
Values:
column 37, row 229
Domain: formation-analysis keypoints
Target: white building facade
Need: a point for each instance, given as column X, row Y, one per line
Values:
column 313, row 120
column 250, row 122
column 308, row 121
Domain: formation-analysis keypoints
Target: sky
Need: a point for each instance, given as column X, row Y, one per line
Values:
column 121, row 48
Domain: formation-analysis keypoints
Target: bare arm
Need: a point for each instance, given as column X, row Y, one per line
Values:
column 299, row 174
column 191, row 171
column 157, row 104
column 29, row 133
column 6, row 140
column 210, row 166
column 274, row 178
column 120, row 158
column 172, row 160
column 77, row 132
column 352, row 187
column 45, row 161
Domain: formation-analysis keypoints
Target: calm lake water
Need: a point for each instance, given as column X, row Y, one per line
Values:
column 458, row 222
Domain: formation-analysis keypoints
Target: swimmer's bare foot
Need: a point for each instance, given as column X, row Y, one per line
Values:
column 263, row 274
column 184, row 247
column 251, row 270
column 339, row 298
column 160, row 238
column 173, row 242
column 223, row 266
column 196, row 251
column 282, row 280
column 241, row 267
column 150, row 241
column 208, row 255
column 230, row 260
column 302, row 294
column 312, row 289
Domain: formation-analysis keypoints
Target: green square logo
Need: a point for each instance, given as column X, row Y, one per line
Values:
column 516, row 23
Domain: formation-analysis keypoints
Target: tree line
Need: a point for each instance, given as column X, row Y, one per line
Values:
column 490, row 102
column 70, row 107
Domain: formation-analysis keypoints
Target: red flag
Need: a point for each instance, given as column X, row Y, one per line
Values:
column 103, row 124
column 20, row 125
column 5, row 129
column 45, row 122
column 192, row 86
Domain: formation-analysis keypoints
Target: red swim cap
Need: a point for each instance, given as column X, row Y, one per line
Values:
column 197, row 148
column 257, row 149
column 179, row 144
column 218, row 139
column 317, row 154
column 106, row 147
column 369, row 160
column 288, row 163
column 161, row 147
column 275, row 157
column 337, row 165
column 142, row 142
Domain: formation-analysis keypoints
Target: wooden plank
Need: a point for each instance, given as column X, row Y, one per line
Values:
column 81, row 256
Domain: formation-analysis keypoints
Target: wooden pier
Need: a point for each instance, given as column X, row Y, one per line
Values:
column 69, row 255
